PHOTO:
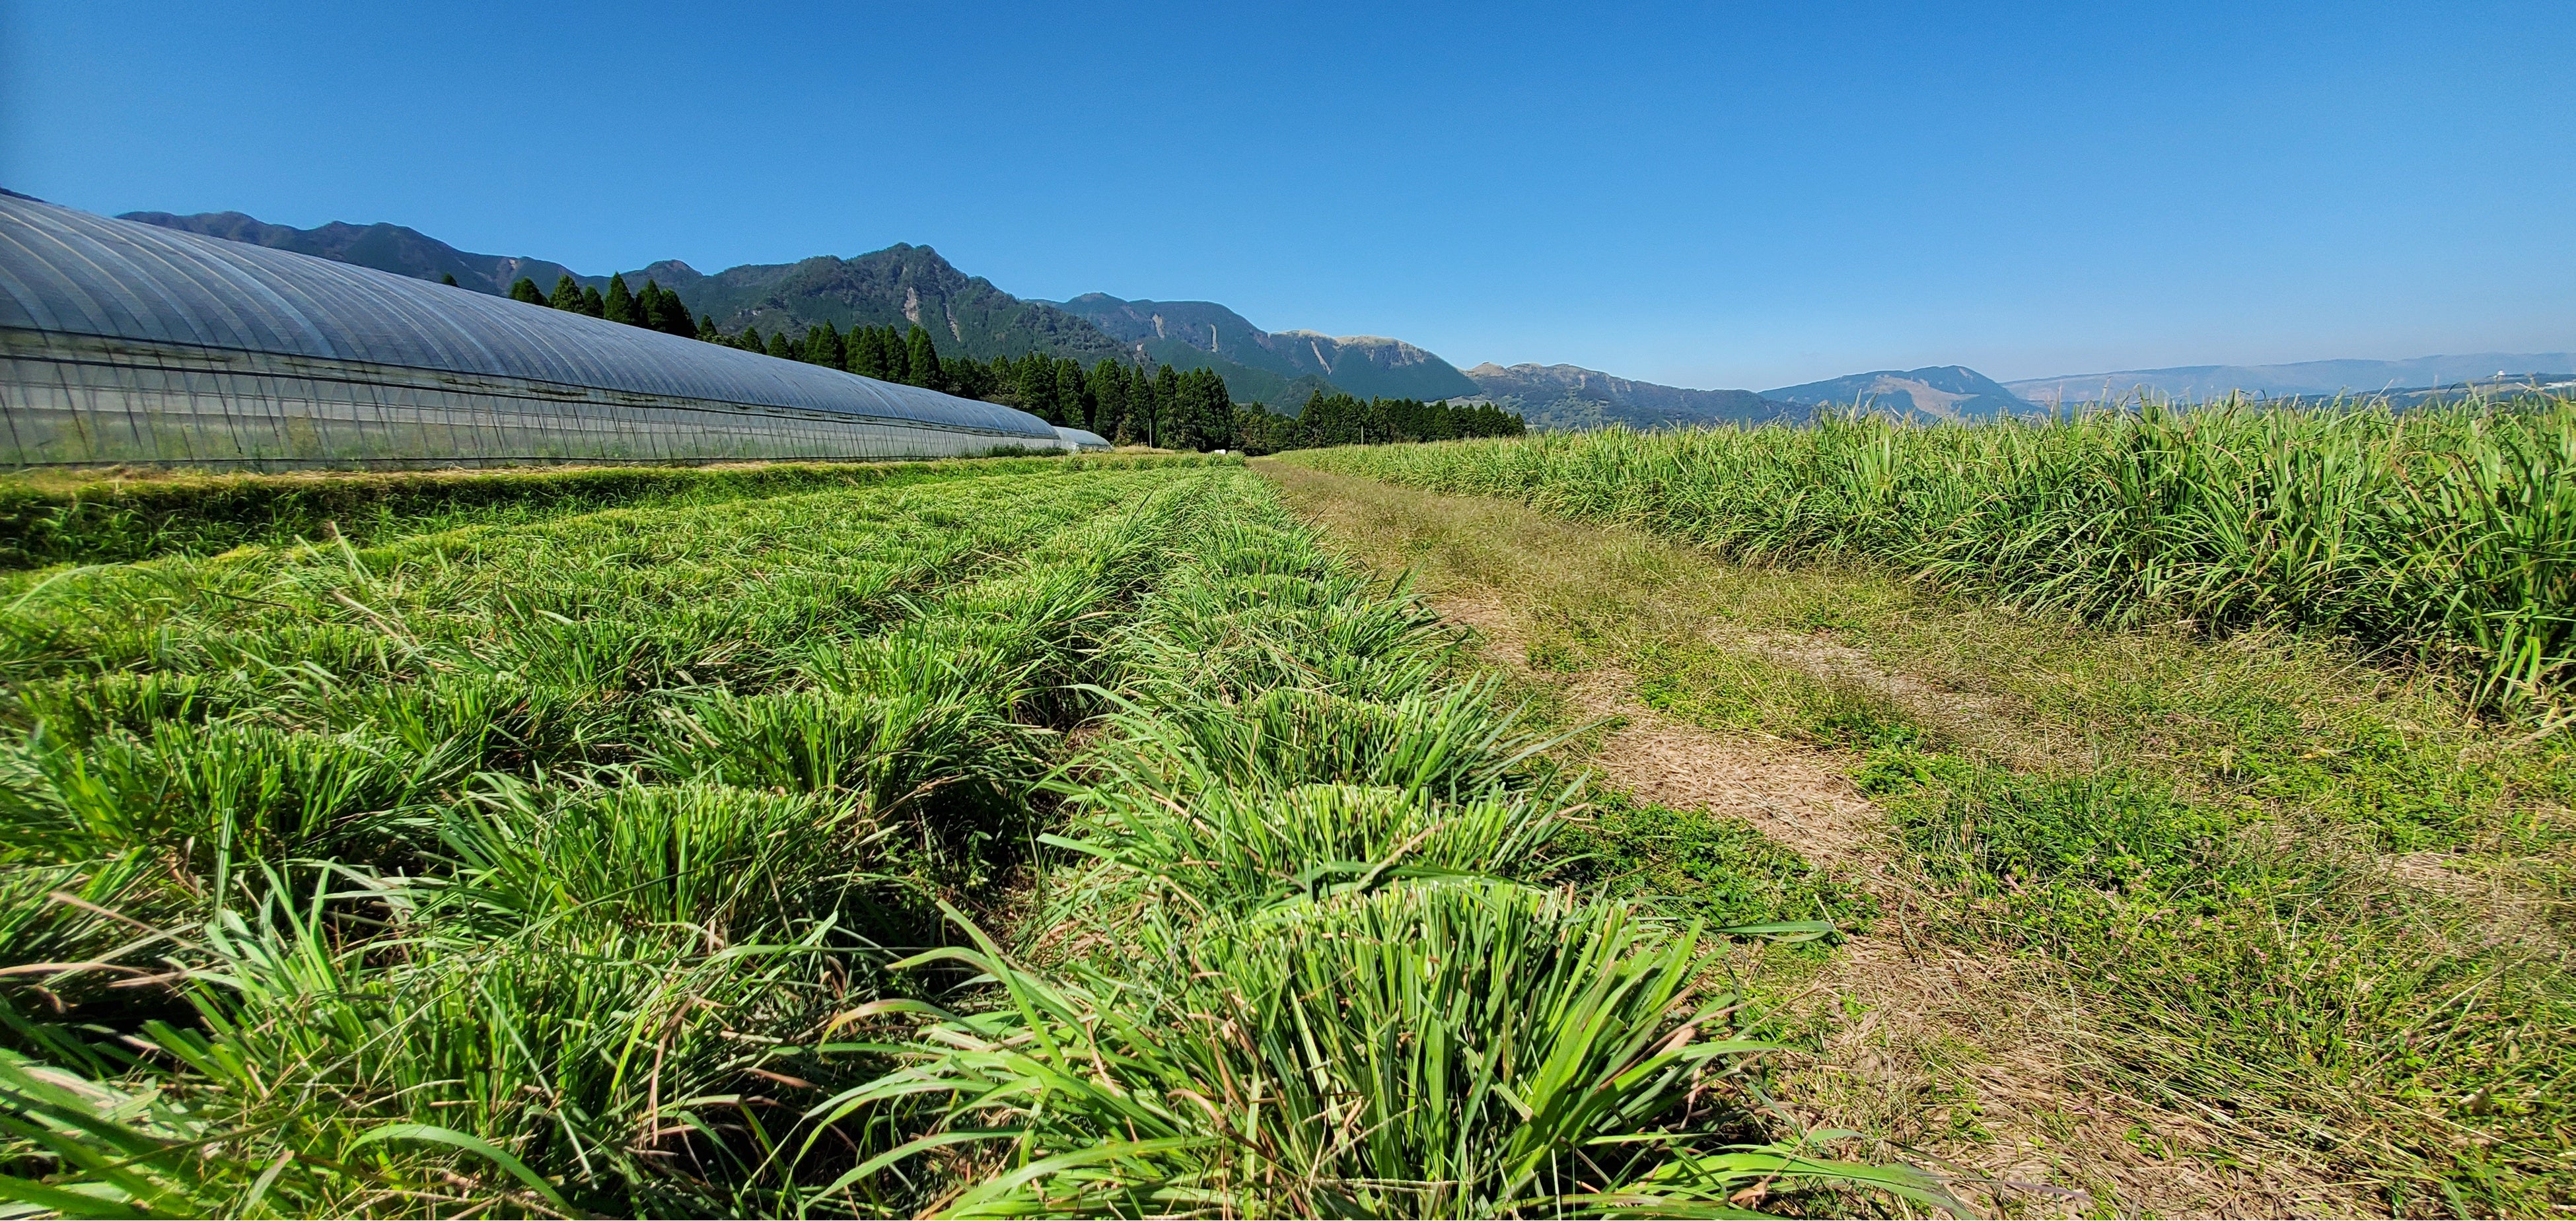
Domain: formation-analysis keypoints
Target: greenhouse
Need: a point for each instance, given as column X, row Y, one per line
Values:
column 123, row 342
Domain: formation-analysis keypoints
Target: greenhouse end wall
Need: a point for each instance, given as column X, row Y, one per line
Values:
column 77, row 400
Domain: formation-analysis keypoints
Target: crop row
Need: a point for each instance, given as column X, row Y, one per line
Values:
column 90, row 517
column 737, row 858
column 2450, row 533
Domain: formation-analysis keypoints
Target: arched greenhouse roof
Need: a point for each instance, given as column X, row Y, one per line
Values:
column 1081, row 438
column 64, row 270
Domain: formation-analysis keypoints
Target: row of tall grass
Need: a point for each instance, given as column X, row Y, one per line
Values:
column 101, row 516
column 1045, row 842
column 2446, row 533
column 513, row 868
column 1305, row 960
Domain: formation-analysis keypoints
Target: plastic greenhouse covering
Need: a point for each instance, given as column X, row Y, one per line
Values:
column 126, row 342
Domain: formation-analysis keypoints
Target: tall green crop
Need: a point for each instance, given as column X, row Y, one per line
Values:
column 2450, row 533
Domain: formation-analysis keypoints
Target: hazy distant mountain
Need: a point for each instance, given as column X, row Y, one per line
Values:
column 1944, row 392
column 2312, row 377
column 897, row 286
column 1178, row 332
column 1568, row 398
column 2511, row 388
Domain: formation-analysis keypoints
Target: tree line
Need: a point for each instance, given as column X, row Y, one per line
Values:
column 1341, row 419
column 1168, row 408
column 1119, row 401
column 654, row 309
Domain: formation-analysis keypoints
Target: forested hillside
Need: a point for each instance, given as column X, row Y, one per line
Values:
column 899, row 286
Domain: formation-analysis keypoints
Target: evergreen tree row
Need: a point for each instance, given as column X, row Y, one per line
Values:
column 1168, row 408
column 654, row 309
column 1340, row 419
column 880, row 352
column 1120, row 401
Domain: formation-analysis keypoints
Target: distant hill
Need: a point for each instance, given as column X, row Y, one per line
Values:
column 1568, row 398
column 2310, row 378
column 1942, row 392
column 1175, row 332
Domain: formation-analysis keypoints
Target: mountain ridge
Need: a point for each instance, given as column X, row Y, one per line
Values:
column 400, row 249
column 898, row 286
column 1368, row 366
column 1566, row 398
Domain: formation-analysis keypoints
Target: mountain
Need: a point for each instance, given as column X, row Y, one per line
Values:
column 1566, row 398
column 1175, row 332
column 1943, row 392
column 399, row 249
column 896, row 286
column 2310, row 377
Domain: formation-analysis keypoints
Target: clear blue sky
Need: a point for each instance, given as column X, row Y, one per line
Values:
column 1706, row 195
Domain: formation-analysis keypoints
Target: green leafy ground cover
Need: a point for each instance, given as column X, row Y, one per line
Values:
column 993, row 840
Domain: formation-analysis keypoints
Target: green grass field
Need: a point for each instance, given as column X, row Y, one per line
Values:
column 1002, row 838
column 2107, row 819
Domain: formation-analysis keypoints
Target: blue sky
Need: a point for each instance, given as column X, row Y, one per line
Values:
column 1705, row 195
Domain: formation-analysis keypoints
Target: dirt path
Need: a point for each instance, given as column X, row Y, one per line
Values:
column 1964, row 1063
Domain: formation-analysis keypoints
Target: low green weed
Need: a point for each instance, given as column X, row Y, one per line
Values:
column 1741, row 689
column 1692, row 865
column 2275, row 972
